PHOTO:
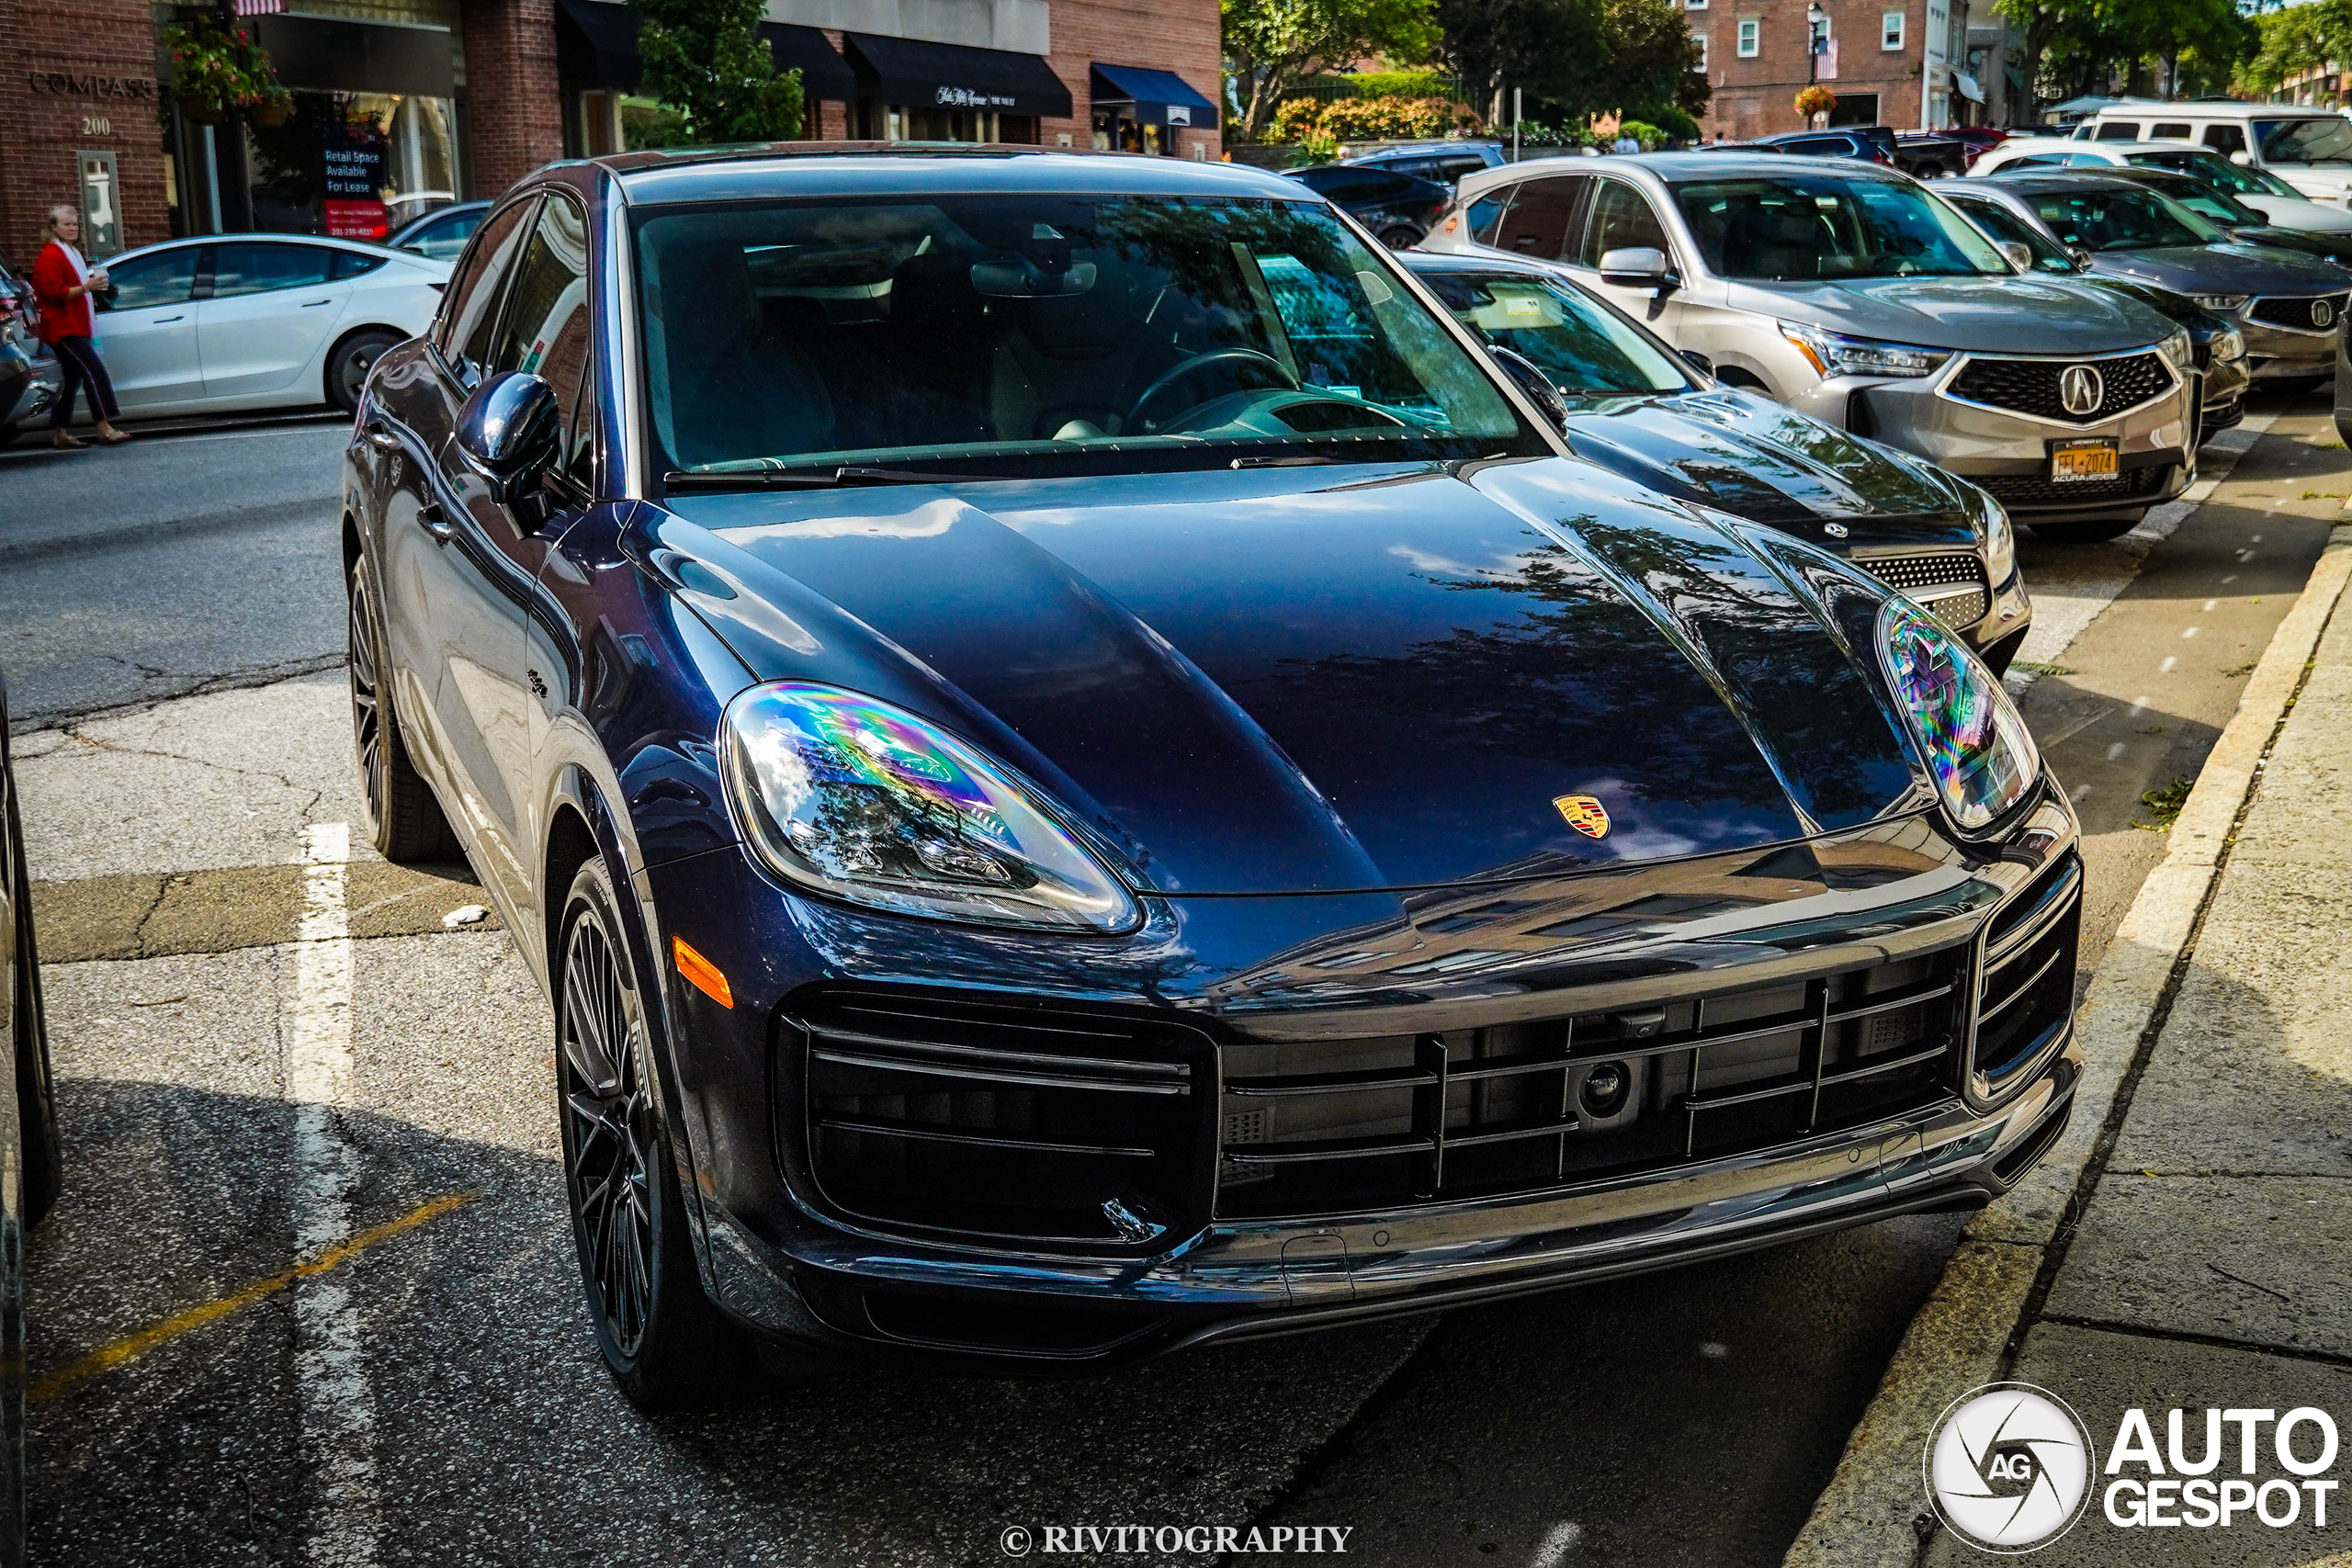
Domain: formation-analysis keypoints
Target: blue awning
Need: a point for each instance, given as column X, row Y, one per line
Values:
column 1153, row 94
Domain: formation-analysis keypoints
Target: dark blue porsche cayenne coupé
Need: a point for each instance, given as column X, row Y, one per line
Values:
column 1084, row 776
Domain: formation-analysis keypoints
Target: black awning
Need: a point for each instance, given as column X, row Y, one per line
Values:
column 1153, row 94
column 914, row 72
column 355, row 57
column 596, row 43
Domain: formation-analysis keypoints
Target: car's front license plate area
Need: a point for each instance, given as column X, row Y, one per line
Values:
column 2074, row 462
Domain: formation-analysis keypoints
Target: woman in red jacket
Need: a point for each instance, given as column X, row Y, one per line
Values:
column 62, row 284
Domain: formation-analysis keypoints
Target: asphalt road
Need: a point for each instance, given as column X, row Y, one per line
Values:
column 429, row 1393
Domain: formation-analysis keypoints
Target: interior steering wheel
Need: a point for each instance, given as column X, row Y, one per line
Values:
column 1179, row 371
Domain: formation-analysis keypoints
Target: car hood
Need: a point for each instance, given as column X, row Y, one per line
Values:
column 2223, row 269
column 2296, row 212
column 1985, row 315
column 1759, row 460
column 1317, row 680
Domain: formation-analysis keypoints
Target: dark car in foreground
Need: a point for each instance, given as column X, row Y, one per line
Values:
column 1631, row 404
column 1398, row 207
column 2009, row 220
column 31, row 1165
column 2289, row 307
column 1085, row 774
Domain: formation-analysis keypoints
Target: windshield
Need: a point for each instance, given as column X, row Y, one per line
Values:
column 1585, row 349
column 2325, row 140
column 1033, row 334
column 2212, row 169
column 2224, row 209
column 1793, row 226
column 2112, row 220
column 2006, row 228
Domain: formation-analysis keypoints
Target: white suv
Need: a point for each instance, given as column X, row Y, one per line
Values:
column 2310, row 149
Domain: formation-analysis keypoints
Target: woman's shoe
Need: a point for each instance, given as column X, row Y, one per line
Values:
column 114, row 437
column 65, row 442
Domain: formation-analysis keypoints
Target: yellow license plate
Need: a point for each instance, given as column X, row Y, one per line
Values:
column 2089, row 460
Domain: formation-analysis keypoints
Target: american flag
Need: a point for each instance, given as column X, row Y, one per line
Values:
column 260, row 8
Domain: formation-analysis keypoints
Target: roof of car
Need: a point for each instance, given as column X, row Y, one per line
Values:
column 1696, row 163
column 1446, row 261
column 2068, row 179
column 799, row 169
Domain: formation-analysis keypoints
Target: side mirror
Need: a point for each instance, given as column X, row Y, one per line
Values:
column 510, row 430
column 2020, row 254
column 1638, row 267
column 2243, row 159
column 1705, row 366
column 2078, row 255
column 1535, row 384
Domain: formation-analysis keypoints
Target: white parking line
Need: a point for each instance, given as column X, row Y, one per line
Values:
column 338, row 1409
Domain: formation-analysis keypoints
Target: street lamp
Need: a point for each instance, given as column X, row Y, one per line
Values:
column 1815, row 19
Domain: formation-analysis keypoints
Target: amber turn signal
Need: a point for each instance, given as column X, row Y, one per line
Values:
column 701, row 973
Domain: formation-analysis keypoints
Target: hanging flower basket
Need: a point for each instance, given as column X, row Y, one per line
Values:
column 217, row 72
column 274, row 110
column 1815, row 99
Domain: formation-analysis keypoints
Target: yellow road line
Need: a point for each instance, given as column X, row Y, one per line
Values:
column 129, row 1348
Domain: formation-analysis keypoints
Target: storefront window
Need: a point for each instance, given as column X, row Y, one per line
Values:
column 1116, row 129
column 355, row 165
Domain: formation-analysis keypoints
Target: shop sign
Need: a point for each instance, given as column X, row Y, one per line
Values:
column 971, row 98
column 1179, row 114
column 353, row 187
column 89, row 84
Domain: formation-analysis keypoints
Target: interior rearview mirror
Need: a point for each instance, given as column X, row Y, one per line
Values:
column 2243, row 159
column 1637, row 266
column 1535, row 384
column 510, row 430
column 2080, row 256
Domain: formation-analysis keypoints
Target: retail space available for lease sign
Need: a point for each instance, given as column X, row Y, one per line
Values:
column 2215, row 1468
column 352, row 183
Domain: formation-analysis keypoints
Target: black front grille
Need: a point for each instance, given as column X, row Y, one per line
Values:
column 2299, row 311
column 1326, row 1127
column 2028, row 991
column 1949, row 584
column 2037, row 489
column 2030, row 386
column 1005, row 1120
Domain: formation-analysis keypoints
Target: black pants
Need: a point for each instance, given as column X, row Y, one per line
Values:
column 80, row 367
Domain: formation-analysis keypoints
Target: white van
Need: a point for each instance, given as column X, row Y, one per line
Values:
column 2311, row 149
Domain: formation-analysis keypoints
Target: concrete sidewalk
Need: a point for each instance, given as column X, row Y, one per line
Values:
column 2189, row 1244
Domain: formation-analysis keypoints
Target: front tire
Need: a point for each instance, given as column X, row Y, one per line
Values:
column 348, row 366
column 404, row 821
column 662, row 1340
column 2090, row 531
column 1400, row 236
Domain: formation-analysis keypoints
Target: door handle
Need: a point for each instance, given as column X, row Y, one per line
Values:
column 436, row 522
column 167, row 321
column 307, row 304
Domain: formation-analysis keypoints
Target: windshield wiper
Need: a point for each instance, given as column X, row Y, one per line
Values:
column 777, row 479
column 1295, row 461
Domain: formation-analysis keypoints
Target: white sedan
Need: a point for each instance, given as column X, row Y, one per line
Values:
column 227, row 322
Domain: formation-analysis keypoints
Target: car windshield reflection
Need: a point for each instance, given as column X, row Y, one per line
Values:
column 1583, row 348
column 1782, row 228
column 1033, row 334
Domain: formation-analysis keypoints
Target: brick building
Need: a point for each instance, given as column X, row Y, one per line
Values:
column 401, row 105
column 1900, row 63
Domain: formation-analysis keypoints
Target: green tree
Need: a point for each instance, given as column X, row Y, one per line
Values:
column 705, row 59
column 1271, row 44
column 1541, row 45
column 2294, row 41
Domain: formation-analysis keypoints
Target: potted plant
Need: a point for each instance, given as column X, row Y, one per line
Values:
column 1814, row 100
column 216, row 72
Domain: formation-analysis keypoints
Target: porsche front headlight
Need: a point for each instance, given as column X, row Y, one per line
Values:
column 850, row 796
column 1977, row 748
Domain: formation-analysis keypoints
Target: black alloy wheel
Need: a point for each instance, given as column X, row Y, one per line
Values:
column 347, row 368
column 1400, row 236
column 404, row 821
column 663, row 1341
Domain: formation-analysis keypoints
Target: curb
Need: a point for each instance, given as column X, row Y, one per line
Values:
column 1872, row 1514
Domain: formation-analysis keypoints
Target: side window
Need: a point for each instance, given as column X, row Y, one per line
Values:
column 446, row 238
column 1537, row 223
column 1448, row 169
column 546, row 330
column 2039, row 161
column 471, row 307
column 258, row 269
column 1486, row 215
column 2171, row 127
column 352, row 264
column 2120, row 131
column 167, row 278
column 1622, row 219
column 2226, row 138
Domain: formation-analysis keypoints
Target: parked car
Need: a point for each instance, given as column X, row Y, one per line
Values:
column 2289, row 307
column 2311, row 149
column 1089, row 776
column 1978, row 139
column 258, row 320
column 1630, row 403
column 28, row 381
column 29, row 1148
column 1930, row 155
column 1399, row 209
column 1855, row 295
column 442, row 233
column 2273, row 200
column 2239, row 222
column 2009, row 220
column 1846, row 143
column 1442, row 162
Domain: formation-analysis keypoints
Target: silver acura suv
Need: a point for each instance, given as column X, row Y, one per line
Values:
column 1854, row 294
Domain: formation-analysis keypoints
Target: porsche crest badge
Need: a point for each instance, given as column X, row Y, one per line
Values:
column 1585, row 813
